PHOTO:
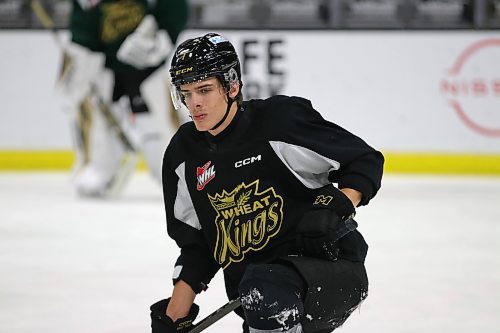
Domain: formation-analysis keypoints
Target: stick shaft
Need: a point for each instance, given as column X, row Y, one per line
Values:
column 216, row 315
column 46, row 21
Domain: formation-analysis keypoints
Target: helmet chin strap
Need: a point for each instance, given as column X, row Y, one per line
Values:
column 229, row 104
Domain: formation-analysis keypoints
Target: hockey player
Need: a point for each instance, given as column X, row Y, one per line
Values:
column 131, row 39
column 249, row 188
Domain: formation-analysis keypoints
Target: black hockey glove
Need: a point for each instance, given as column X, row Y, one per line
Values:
column 161, row 323
column 329, row 219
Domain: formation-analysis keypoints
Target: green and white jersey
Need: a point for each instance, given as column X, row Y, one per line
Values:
column 104, row 26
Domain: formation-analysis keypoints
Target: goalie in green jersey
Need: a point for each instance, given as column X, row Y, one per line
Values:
column 115, row 47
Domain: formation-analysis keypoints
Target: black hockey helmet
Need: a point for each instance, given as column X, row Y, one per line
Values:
column 203, row 57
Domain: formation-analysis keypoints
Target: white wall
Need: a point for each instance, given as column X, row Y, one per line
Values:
column 30, row 117
column 393, row 88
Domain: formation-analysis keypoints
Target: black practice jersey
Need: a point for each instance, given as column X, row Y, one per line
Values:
column 236, row 198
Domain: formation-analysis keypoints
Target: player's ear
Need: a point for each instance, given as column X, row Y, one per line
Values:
column 234, row 90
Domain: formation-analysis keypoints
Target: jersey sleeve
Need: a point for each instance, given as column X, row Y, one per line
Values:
column 319, row 151
column 172, row 16
column 195, row 265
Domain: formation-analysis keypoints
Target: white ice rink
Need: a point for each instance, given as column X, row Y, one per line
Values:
column 72, row 265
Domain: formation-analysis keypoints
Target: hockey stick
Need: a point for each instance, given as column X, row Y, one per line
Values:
column 46, row 21
column 49, row 24
column 42, row 15
column 348, row 225
column 111, row 120
column 216, row 315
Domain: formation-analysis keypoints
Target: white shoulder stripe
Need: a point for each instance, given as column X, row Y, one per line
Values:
column 310, row 168
column 183, row 206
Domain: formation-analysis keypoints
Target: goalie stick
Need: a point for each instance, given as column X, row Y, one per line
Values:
column 45, row 19
column 348, row 226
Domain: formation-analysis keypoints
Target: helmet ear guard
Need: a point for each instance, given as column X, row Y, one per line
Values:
column 231, row 77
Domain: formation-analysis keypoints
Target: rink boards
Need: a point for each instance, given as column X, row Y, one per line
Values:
column 428, row 100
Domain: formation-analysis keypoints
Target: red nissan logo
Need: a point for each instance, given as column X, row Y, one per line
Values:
column 473, row 87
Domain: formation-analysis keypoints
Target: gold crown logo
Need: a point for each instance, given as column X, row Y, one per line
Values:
column 221, row 203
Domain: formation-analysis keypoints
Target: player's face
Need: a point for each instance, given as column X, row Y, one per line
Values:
column 206, row 101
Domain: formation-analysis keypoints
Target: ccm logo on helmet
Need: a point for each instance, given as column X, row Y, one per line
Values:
column 247, row 161
column 184, row 70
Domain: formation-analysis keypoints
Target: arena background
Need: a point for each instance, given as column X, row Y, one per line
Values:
column 422, row 86
column 420, row 80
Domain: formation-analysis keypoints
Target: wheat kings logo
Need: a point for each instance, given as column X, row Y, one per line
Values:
column 246, row 220
column 119, row 19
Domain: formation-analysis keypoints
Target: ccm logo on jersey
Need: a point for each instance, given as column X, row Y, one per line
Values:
column 204, row 174
column 247, row 161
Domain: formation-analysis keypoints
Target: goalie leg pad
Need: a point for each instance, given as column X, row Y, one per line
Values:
column 80, row 127
column 145, row 134
column 271, row 297
column 109, row 165
column 151, row 143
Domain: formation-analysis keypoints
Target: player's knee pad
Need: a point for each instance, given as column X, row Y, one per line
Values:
column 271, row 297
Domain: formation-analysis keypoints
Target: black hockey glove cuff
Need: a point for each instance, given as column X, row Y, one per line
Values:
column 329, row 219
column 330, row 197
column 161, row 323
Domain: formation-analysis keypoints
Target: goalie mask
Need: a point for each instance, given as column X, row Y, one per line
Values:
column 203, row 57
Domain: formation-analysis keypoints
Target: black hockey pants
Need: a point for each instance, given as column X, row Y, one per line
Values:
column 315, row 293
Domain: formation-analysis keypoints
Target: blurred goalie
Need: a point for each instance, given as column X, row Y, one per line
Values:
column 115, row 47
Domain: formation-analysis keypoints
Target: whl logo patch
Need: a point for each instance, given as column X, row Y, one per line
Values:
column 204, row 174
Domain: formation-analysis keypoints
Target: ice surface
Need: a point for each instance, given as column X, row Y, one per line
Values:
column 74, row 265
